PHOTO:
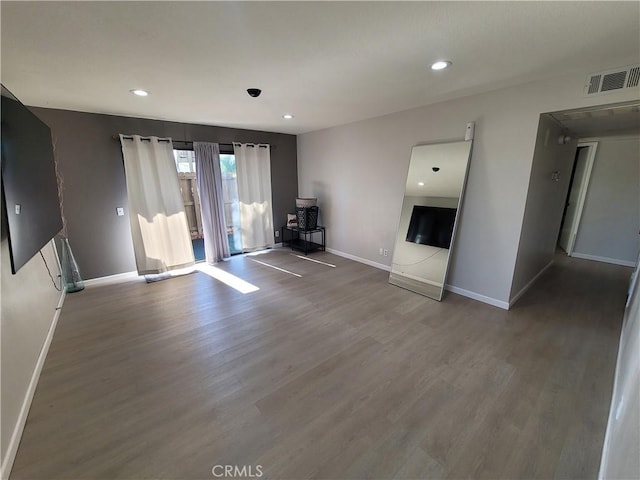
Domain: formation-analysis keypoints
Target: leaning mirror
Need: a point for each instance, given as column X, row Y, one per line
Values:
column 426, row 232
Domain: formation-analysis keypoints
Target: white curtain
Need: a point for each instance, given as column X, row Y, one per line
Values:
column 161, row 239
column 209, row 177
column 253, row 167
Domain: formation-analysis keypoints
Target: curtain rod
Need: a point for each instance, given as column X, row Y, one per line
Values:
column 116, row 136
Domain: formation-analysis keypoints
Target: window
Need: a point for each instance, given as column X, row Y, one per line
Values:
column 231, row 202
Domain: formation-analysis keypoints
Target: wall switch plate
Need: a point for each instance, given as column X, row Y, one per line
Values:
column 18, row 208
column 277, row 233
column 120, row 211
column 380, row 251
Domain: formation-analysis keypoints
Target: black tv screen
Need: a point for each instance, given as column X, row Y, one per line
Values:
column 431, row 226
column 29, row 182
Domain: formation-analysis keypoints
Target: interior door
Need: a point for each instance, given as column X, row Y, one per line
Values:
column 569, row 227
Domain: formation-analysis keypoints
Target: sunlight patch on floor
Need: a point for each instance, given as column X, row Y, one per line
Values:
column 277, row 268
column 314, row 260
column 227, row 278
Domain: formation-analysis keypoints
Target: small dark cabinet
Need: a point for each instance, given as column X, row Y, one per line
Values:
column 303, row 240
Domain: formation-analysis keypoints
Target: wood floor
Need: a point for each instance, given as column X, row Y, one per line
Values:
column 332, row 374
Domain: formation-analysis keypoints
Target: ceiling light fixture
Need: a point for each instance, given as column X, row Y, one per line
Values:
column 287, row 116
column 421, row 184
column 140, row 93
column 440, row 65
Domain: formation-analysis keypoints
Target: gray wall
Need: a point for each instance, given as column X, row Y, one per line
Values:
column 358, row 173
column 611, row 215
column 29, row 302
column 545, row 203
column 90, row 161
column 622, row 441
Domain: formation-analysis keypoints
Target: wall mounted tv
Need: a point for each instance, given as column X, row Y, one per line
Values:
column 29, row 183
column 431, row 226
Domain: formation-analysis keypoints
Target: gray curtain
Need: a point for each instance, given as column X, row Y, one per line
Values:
column 209, row 178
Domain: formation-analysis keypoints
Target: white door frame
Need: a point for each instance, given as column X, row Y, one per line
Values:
column 584, row 186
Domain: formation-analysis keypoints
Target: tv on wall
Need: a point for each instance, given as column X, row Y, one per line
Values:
column 29, row 182
column 431, row 226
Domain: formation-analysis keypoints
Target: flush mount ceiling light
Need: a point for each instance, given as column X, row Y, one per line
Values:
column 421, row 184
column 139, row 92
column 440, row 65
column 287, row 116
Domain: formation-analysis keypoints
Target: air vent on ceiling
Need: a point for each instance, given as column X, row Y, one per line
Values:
column 613, row 80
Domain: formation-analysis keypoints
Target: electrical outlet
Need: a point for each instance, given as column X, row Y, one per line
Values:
column 385, row 252
column 120, row 211
column 18, row 208
column 277, row 233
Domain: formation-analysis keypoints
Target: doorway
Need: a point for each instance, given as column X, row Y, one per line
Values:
column 186, row 167
column 574, row 204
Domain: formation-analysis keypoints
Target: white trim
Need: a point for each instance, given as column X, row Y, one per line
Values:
column 371, row 263
column 515, row 298
column 582, row 194
column 615, row 137
column 16, row 436
column 476, row 296
column 460, row 291
column 596, row 258
column 110, row 279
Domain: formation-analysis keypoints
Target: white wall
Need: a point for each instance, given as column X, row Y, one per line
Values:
column 620, row 459
column 358, row 171
column 611, row 216
column 545, row 204
column 29, row 303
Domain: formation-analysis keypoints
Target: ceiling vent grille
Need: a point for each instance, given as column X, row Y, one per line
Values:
column 612, row 80
column 634, row 77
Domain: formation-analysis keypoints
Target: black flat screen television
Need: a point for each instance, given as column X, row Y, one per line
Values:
column 431, row 226
column 29, row 182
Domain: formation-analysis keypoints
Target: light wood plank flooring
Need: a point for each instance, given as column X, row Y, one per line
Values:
column 334, row 374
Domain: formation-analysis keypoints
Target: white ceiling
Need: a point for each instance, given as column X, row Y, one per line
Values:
column 328, row 63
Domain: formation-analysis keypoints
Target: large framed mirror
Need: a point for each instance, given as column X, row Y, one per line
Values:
column 426, row 232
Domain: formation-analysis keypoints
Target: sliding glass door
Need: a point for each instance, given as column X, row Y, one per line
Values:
column 186, row 166
column 231, row 202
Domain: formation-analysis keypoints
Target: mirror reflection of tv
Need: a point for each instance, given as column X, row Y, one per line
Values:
column 431, row 226
column 29, row 182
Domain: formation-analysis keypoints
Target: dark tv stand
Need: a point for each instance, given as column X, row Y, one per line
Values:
column 303, row 240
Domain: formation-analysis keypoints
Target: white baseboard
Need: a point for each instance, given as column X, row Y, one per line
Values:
column 615, row 261
column 460, row 291
column 14, row 441
column 371, row 263
column 476, row 296
column 109, row 279
column 515, row 298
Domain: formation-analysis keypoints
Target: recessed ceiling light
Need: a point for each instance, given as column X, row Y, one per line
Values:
column 440, row 65
column 421, row 184
column 140, row 93
column 287, row 116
